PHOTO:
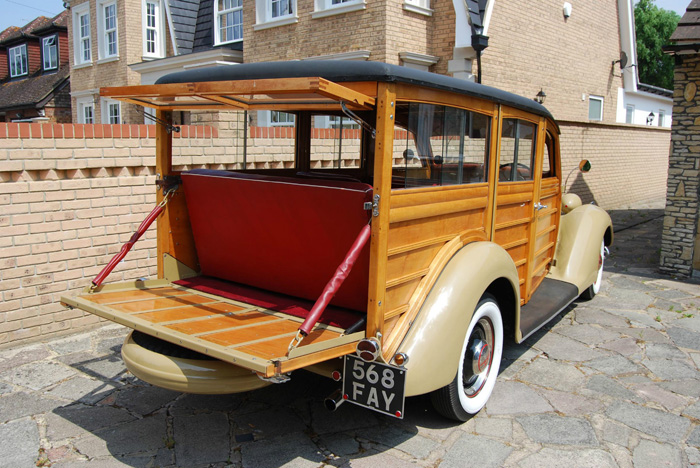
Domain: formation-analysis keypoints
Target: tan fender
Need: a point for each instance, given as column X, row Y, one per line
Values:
column 580, row 233
column 433, row 343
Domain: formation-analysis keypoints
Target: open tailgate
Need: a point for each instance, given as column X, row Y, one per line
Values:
column 248, row 336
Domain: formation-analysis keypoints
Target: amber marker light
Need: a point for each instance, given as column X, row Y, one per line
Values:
column 400, row 359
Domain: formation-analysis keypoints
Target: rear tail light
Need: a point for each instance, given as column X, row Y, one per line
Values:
column 368, row 349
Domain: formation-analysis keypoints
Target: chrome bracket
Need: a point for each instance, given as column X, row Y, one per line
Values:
column 277, row 378
column 375, row 205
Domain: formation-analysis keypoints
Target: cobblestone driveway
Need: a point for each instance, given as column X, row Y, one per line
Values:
column 611, row 382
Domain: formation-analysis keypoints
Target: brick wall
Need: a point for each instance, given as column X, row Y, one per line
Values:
column 680, row 253
column 70, row 195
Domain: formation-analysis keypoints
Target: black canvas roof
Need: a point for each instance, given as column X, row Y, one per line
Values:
column 345, row 71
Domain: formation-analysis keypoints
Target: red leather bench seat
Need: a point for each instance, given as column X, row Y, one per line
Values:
column 280, row 234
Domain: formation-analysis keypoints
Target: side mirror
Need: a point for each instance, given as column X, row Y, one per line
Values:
column 584, row 165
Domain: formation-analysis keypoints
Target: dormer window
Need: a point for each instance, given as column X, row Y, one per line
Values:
column 107, row 39
column 229, row 21
column 18, row 60
column 49, row 51
column 153, row 37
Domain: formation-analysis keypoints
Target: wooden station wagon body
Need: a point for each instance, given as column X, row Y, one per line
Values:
column 421, row 213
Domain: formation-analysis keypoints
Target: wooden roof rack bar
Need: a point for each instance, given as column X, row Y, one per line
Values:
column 298, row 93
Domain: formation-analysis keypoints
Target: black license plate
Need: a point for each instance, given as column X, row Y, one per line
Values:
column 374, row 385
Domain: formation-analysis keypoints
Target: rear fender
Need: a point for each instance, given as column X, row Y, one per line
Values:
column 580, row 234
column 434, row 341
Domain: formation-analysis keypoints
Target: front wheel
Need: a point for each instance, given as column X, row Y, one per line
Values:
column 593, row 289
column 478, row 369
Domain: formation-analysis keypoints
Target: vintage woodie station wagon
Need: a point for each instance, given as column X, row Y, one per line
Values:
column 383, row 226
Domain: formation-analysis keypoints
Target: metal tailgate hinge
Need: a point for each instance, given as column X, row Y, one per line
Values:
column 373, row 205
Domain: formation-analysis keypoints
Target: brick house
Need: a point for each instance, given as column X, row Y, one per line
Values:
column 680, row 242
column 34, row 71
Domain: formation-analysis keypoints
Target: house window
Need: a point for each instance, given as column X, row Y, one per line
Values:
column 81, row 34
column 281, row 119
column 595, row 108
column 418, row 6
column 229, row 21
column 629, row 116
column 111, row 111
column 153, row 38
column 281, row 8
column 335, row 7
column 107, row 35
column 18, row 60
column 662, row 117
column 86, row 110
column 49, row 49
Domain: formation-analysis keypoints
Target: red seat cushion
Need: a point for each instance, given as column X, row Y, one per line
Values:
column 280, row 234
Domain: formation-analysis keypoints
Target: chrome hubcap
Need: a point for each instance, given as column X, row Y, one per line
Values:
column 477, row 362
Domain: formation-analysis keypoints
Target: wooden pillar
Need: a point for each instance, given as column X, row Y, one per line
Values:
column 164, row 161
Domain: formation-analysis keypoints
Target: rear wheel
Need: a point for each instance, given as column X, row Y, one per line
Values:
column 593, row 289
column 478, row 369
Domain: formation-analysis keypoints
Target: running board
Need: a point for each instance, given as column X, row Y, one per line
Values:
column 552, row 296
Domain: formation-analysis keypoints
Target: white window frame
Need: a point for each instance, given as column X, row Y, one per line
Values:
column 602, row 103
column 418, row 6
column 82, row 44
column 82, row 104
column 264, row 12
column 325, row 8
column 52, row 52
column 13, row 54
column 629, row 117
column 107, row 107
column 157, row 26
column 662, row 118
column 103, row 52
column 218, row 14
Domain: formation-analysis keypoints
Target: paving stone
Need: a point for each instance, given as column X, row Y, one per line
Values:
column 494, row 427
column 552, row 374
column 37, row 375
column 688, row 387
column 271, row 423
column 15, row 357
column 607, row 386
column 515, row 398
column 580, row 458
column 650, row 454
column 692, row 411
column 74, row 420
column 21, row 404
column 694, row 437
column 664, row 426
column 625, row 346
column 614, row 365
column 201, row 439
column 643, row 335
column 293, row 450
column 409, row 442
column 347, row 417
column 554, row 429
column 684, row 338
column 692, row 324
column 473, row 451
column 588, row 334
column 99, row 367
column 82, row 389
column 141, row 435
column 563, row 348
column 629, row 297
column 670, row 294
column 633, row 283
column 109, row 346
column 5, row 388
column 571, row 404
column 664, row 351
column 637, row 318
column 72, row 344
column 20, row 444
column 373, row 459
column 671, row 369
column 142, row 400
column 616, row 433
column 222, row 403
column 693, row 455
column 600, row 318
column 694, row 356
column 654, row 392
column 341, row 445
column 691, row 289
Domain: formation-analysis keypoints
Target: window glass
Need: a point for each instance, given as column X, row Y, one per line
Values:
column 595, row 108
column 50, row 52
column 548, row 160
column 629, row 115
column 439, row 145
column 18, row 60
column 281, row 8
column 151, row 29
column 662, row 117
column 517, row 150
column 336, row 142
column 110, row 30
column 85, row 53
column 281, row 119
column 230, row 20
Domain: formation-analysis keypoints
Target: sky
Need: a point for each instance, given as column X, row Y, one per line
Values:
column 21, row 12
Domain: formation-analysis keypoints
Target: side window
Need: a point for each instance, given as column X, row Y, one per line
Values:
column 336, row 142
column 439, row 145
column 517, row 150
column 548, row 161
